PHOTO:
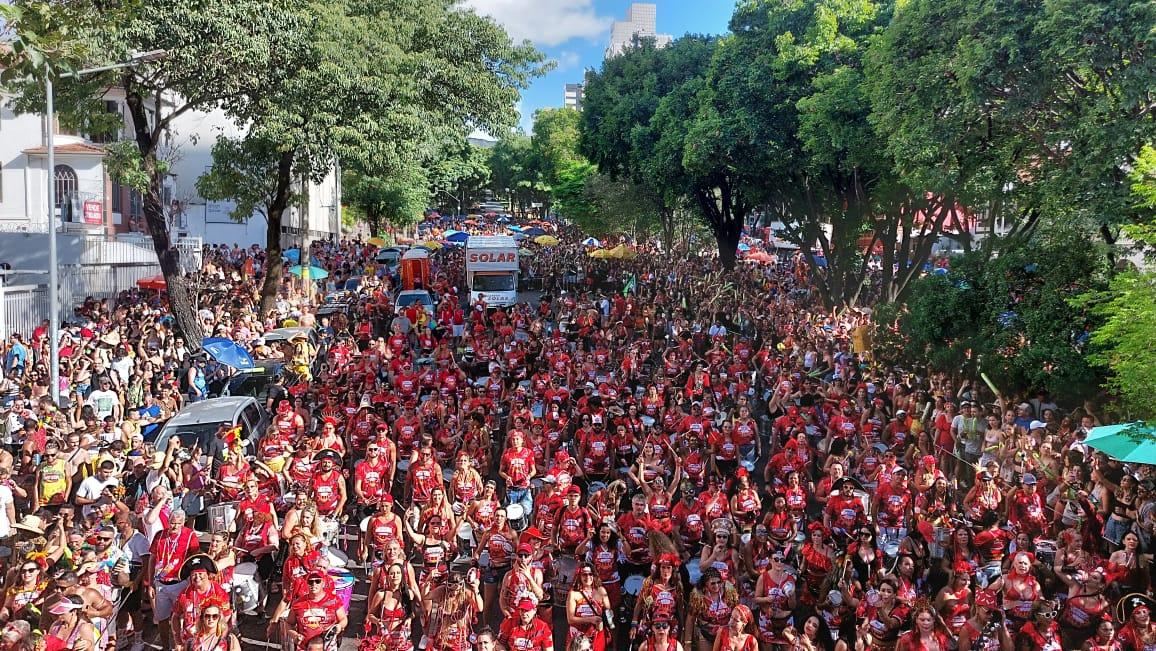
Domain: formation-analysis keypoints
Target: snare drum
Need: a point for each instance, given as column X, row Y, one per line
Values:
column 247, row 588
column 330, row 528
column 343, row 581
column 517, row 516
column 1046, row 550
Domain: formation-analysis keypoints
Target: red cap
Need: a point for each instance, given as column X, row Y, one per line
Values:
column 526, row 603
column 525, row 548
column 986, row 598
column 742, row 472
column 316, row 574
column 574, row 490
column 929, row 460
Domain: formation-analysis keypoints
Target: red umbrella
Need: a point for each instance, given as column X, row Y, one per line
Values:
column 762, row 257
column 152, row 282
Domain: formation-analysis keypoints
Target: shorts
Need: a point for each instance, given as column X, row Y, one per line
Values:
column 132, row 602
column 1115, row 528
column 166, row 598
column 459, row 330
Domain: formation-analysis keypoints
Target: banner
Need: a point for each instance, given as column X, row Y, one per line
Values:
column 93, row 212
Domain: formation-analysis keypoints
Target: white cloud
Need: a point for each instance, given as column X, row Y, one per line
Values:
column 545, row 22
column 568, row 60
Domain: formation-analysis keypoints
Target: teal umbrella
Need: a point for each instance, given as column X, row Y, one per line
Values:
column 315, row 273
column 1129, row 442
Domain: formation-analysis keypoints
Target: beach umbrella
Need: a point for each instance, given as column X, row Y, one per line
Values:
column 526, row 253
column 152, row 282
column 1127, row 442
column 431, row 245
column 761, row 257
column 227, row 352
column 622, row 252
column 534, row 231
column 375, row 241
column 457, row 237
column 743, row 246
column 309, row 273
column 292, row 255
column 546, row 240
column 515, row 228
column 590, row 241
column 601, row 254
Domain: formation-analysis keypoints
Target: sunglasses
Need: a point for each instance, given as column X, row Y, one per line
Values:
column 661, row 626
column 315, row 581
column 211, row 615
column 1048, row 614
column 525, row 555
column 30, row 570
column 106, row 539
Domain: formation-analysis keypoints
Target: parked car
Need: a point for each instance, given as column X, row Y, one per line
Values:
column 410, row 296
column 198, row 422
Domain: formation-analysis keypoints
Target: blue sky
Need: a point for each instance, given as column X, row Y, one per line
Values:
column 574, row 33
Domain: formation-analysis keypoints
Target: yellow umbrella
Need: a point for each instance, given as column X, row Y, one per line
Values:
column 601, row 254
column 546, row 240
column 431, row 245
column 622, row 252
column 375, row 241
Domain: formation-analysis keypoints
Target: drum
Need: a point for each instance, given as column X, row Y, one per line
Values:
column 364, row 526
column 246, row 588
column 517, row 516
column 745, row 538
column 402, row 472
column 565, row 566
column 484, row 559
column 343, row 585
column 987, row 574
column 223, row 517
column 466, row 539
column 336, row 557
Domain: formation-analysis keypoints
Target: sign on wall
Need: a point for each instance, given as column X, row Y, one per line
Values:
column 93, row 212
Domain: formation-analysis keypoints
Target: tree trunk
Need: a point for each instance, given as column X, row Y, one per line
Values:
column 181, row 294
column 274, row 264
column 727, row 239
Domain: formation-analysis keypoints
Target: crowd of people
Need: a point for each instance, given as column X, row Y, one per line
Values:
column 651, row 454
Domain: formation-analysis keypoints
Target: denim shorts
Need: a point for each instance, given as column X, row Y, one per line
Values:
column 1114, row 530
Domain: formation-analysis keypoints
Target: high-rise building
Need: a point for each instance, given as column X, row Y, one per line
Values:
column 641, row 22
column 575, row 93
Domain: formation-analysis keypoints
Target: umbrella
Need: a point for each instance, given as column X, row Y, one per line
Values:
column 601, row 254
column 227, row 352
column 310, row 273
column 292, row 255
column 761, row 257
column 546, row 240
column 743, row 246
column 431, row 245
column 458, row 237
column 152, row 282
column 526, row 253
column 375, row 241
column 590, row 241
column 622, row 252
column 515, row 228
column 534, row 231
column 1128, row 442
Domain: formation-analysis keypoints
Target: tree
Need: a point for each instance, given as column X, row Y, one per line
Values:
column 1020, row 108
column 357, row 98
column 554, row 148
column 1122, row 343
column 459, row 173
column 215, row 52
column 513, row 171
column 398, row 199
column 636, row 125
column 1010, row 316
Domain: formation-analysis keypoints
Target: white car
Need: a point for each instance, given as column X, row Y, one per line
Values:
column 410, row 296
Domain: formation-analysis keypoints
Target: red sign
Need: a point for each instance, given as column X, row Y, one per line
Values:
column 484, row 256
column 93, row 212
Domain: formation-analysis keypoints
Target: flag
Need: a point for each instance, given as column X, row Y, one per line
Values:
column 630, row 286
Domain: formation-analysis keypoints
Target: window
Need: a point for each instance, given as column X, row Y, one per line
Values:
column 135, row 204
column 117, row 199
column 66, row 187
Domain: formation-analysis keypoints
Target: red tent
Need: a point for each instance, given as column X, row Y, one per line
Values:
column 152, row 282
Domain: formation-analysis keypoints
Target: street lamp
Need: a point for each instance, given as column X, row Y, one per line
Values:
column 53, row 291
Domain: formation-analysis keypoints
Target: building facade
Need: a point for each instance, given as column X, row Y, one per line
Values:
column 574, row 95
column 641, row 22
column 91, row 205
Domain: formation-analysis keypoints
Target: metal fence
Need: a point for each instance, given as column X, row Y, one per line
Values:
column 23, row 307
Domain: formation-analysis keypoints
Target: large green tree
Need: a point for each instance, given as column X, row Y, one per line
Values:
column 376, row 93
column 216, row 52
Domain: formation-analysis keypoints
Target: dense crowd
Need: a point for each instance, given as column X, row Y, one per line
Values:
column 652, row 455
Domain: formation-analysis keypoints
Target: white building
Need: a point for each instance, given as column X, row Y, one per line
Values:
column 93, row 208
column 574, row 95
column 641, row 22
